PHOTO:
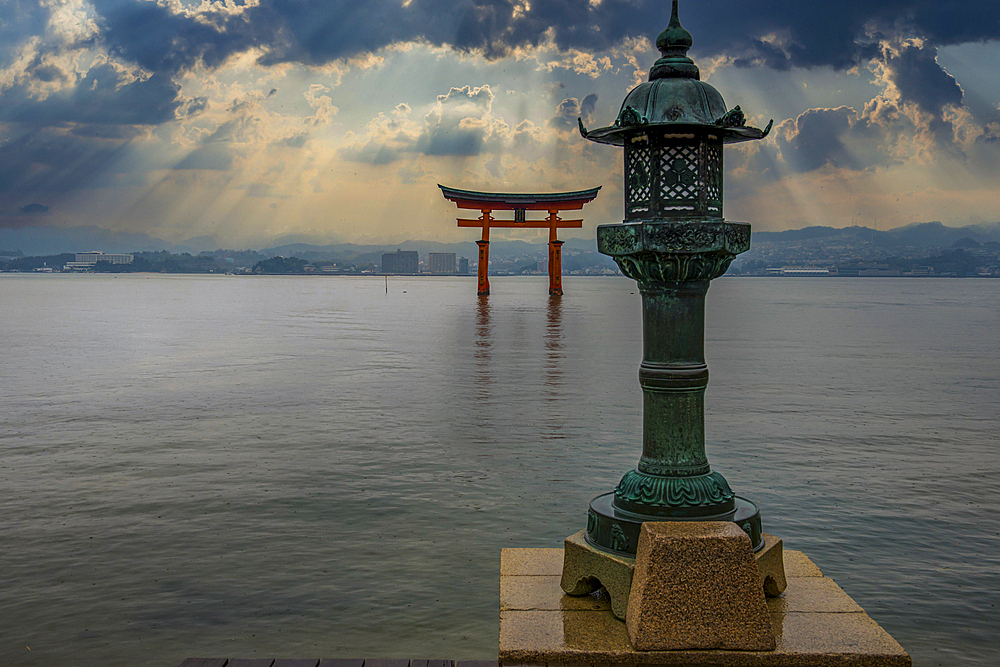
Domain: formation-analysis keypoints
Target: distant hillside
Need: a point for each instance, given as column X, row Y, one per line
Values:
column 373, row 253
column 50, row 240
column 54, row 240
column 922, row 234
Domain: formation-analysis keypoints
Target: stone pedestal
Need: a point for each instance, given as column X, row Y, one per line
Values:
column 587, row 569
column 696, row 586
column 814, row 623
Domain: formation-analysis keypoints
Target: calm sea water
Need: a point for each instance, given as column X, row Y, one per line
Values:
column 311, row 466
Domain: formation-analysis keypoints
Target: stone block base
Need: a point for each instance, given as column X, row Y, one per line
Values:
column 814, row 622
column 696, row 586
column 586, row 569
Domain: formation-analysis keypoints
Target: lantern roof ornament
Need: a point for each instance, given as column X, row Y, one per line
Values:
column 675, row 99
column 673, row 44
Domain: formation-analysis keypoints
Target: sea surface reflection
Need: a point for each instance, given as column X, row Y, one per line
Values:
column 323, row 466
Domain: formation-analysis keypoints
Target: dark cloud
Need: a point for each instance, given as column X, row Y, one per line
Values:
column 20, row 21
column 919, row 91
column 295, row 141
column 159, row 40
column 458, row 125
column 587, row 107
column 50, row 159
column 105, row 95
column 194, row 106
column 919, row 78
column 462, row 142
column 901, row 36
column 218, row 150
column 777, row 34
column 774, row 33
column 41, row 68
column 570, row 109
column 816, row 138
column 34, row 209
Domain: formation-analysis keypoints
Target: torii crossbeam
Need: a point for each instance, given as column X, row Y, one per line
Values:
column 520, row 203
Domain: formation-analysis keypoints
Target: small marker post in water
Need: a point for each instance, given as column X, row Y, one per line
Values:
column 387, row 283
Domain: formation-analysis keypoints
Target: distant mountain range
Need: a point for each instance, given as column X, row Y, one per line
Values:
column 373, row 253
column 55, row 240
column 920, row 234
column 34, row 241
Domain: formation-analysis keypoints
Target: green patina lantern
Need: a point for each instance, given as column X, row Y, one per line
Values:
column 673, row 242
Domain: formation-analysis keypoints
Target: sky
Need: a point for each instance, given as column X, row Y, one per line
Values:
column 333, row 120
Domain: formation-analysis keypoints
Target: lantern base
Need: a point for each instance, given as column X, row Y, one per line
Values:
column 615, row 531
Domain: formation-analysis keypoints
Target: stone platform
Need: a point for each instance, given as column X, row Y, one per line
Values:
column 815, row 622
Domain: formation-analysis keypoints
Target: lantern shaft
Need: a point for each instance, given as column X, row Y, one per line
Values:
column 673, row 377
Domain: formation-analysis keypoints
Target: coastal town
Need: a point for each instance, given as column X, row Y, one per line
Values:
column 922, row 250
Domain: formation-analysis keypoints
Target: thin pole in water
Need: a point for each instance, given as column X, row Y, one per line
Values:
column 387, row 283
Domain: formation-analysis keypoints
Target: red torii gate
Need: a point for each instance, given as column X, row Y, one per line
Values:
column 520, row 203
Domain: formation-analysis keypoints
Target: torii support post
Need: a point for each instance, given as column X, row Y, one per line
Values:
column 555, row 257
column 484, row 267
column 484, row 253
column 488, row 202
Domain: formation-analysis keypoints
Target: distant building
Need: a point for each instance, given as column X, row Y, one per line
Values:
column 97, row 256
column 805, row 271
column 86, row 261
column 919, row 270
column 401, row 261
column 801, row 271
column 441, row 262
column 463, row 266
column 880, row 272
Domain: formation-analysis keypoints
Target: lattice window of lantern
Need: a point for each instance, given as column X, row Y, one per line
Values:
column 679, row 177
column 713, row 176
column 638, row 179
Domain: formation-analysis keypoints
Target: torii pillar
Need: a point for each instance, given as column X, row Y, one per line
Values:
column 555, row 256
column 484, row 256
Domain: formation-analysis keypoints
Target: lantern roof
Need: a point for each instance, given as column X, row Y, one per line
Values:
column 675, row 99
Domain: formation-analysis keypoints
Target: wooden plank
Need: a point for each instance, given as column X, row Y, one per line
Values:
column 476, row 663
column 529, row 224
column 251, row 662
column 438, row 663
column 204, row 662
column 387, row 662
column 341, row 662
column 296, row 662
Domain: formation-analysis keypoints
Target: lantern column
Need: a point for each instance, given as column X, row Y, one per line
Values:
column 674, row 241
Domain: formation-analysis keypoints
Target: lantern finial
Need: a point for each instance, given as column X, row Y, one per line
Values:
column 673, row 44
